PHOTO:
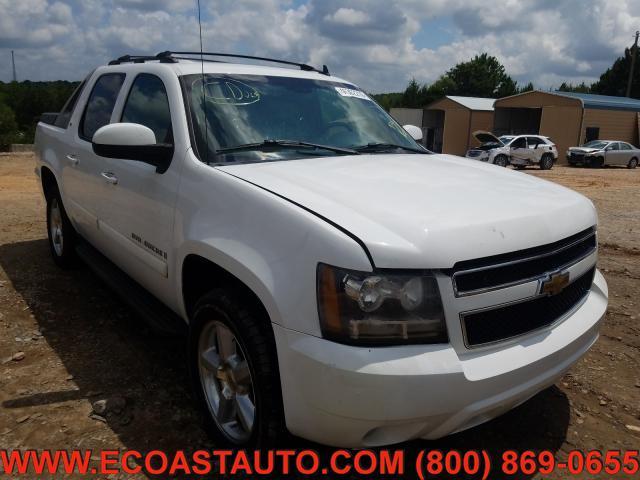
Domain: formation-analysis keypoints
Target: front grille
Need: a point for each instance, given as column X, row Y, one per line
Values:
column 576, row 157
column 499, row 271
column 512, row 320
column 474, row 153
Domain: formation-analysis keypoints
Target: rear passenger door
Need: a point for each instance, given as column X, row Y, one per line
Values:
column 138, row 209
column 613, row 154
column 83, row 184
column 536, row 148
column 626, row 152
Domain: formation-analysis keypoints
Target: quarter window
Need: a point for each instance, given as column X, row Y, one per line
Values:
column 100, row 105
column 63, row 118
column 148, row 105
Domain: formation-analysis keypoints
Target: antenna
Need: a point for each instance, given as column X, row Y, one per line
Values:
column 13, row 63
column 204, row 100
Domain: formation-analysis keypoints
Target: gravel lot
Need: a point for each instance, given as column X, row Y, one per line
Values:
column 67, row 342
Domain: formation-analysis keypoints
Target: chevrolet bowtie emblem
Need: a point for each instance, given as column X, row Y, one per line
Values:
column 555, row 283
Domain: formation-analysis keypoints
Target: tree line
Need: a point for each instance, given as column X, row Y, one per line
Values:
column 484, row 76
column 22, row 103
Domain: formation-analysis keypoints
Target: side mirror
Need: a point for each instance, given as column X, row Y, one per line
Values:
column 132, row 141
column 415, row 132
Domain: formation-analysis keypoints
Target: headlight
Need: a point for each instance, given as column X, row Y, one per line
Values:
column 379, row 308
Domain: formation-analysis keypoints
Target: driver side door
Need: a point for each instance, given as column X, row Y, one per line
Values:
column 137, row 216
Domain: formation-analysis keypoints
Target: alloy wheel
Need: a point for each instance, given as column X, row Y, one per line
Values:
column 226, row 381
column 55, row 227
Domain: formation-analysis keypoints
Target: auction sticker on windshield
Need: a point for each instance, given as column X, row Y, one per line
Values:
column 352, row 92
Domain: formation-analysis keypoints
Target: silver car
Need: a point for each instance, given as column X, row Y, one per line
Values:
column 598, row 153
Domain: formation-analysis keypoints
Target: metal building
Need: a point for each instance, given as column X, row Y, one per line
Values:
column 568, row 118
column 447, row 123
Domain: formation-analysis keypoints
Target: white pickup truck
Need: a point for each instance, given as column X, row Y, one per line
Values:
column 337, row 280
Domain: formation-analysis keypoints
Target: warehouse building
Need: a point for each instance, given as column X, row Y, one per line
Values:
column 568, row 118
column 448, row 123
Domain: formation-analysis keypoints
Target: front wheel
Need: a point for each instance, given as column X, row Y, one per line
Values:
column 546, row 163
column 633, row 163
column 500, row 161
column 62, row 236
column 234, row 372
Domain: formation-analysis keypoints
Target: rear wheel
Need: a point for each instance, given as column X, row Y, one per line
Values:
column 500, row 160
column 546, row 162
column 234, row 371
column 633, row 163
column 62, row 236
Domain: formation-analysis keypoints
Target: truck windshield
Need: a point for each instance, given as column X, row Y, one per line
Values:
column 251, row 118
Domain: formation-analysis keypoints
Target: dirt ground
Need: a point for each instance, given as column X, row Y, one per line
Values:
column 66, row 341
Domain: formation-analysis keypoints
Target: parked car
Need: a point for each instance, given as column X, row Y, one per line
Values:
column 599, row 153
column 337, row 279
column 517, row 150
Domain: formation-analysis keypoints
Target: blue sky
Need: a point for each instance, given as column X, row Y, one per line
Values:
column 378, row 44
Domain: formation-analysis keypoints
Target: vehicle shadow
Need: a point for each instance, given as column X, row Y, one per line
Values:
column 110, row 352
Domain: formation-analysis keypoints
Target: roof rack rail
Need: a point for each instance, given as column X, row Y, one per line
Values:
column 141, row 59
column 303, row 66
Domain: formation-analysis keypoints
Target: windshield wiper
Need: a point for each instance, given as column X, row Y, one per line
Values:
column 278, row 144
column 381, row 147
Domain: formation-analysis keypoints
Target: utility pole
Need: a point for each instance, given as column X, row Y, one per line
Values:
column 13, row 63
column 634, row 54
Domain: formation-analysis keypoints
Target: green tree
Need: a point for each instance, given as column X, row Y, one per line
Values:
column 614, row 80
column 580, row 88
column 411, row 95
column 8, row 125
column 482, row 76
column 28, row 100
column 526, row 88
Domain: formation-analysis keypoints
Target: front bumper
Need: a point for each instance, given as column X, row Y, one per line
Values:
column 358, row 397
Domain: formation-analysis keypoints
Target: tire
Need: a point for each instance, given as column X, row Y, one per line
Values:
column 546, row 162
column 633, row 163
column 597, row 162
column 247, row 376
column 500, row 160
column 61, row 234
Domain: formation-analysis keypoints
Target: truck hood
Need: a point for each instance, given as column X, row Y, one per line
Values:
column 584, row 150
column 426, row 211
column 486, row 137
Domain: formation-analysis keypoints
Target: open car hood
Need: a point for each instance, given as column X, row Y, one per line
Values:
column 486, row 137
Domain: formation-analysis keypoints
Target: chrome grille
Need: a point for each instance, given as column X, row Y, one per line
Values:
column 508, row 321
column 501, row 271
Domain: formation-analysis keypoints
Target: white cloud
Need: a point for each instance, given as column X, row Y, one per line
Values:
column 375, row 44
column 348, row 17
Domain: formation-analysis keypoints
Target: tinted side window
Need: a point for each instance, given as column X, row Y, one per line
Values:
column 534, row 141
column 148, row 105
column 614, row 146
column 100, row 104
column 63, row 118
column 519, row 143
column 625, row 146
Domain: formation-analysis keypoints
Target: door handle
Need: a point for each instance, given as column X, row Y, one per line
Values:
column 110, row 178
column 73, row 159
